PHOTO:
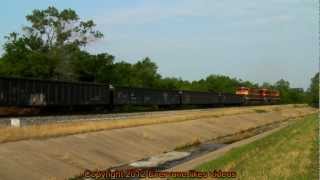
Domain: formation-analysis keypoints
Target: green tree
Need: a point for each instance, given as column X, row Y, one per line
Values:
column 283, row 87
column 314, row 91
column 297, row 95
column 220, row 83
column 122, row 74
column 145, row 73
column 289, row 95
column 59, row 28
column 170, row 83
column 45, row 49
column 93, row 68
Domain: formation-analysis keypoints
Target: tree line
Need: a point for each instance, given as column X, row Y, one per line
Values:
column 53, row 47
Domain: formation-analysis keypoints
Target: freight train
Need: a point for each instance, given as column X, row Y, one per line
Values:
column 26, row 92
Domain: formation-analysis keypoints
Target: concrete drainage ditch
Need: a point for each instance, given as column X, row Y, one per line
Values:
column 188, row 152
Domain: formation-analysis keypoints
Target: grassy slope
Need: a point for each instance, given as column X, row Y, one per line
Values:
column 291, row 153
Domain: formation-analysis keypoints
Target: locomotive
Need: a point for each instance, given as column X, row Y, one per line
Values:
column 27, row 92
column 258, row 96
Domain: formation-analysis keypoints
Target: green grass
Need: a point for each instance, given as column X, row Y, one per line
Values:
column 291, row 153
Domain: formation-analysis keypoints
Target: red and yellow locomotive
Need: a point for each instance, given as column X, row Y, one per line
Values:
column 258, row 96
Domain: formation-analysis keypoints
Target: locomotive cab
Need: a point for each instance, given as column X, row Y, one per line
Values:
column 242, row 91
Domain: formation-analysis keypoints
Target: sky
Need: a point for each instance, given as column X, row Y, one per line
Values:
column 260, row 41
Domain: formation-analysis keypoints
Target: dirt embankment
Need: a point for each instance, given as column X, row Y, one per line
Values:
column 69, row 127
column 67, row 156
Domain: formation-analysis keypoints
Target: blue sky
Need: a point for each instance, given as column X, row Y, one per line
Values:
column 252, row 40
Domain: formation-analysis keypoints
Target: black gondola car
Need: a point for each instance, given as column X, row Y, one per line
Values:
column 145, row 96
column 231, row 99
column 34, row 92
column 200, row 98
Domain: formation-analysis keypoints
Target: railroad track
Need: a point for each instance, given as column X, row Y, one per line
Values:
column 37, row 120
